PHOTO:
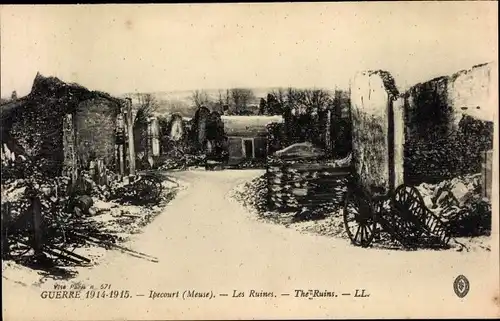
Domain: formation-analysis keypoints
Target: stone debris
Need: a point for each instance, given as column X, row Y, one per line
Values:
column 460, row 204
column 180, row 161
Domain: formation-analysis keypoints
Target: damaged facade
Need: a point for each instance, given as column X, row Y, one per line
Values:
column 434, row 131
column 65, row 127
column 448, row 125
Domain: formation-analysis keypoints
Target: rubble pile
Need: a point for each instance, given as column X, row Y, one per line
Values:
column 13, row 166
column 181, row 161
column 62, row 216
column 459, row 202
column 253, row 194
column 250, row 163
column 139, row 190
column 121, row 220
column 72, row 216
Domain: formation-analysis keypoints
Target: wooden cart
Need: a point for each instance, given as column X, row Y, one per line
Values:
column 401, row 213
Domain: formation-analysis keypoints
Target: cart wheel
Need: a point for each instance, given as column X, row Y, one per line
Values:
column 408, row 197
column 411, row 207
column 359, row 219
column 150, row 187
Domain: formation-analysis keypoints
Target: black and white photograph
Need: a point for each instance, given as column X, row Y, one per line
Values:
column 249, row 161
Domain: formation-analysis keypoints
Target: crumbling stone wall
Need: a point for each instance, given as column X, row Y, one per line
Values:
column 39, row 132
column 436, row 130
column 95, row 130
column 472, row 91
column 429, row 116
column 35, row 122
column 448, row 122
column 372, row 96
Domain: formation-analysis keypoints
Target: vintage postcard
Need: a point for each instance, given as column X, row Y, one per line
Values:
column 244, row 161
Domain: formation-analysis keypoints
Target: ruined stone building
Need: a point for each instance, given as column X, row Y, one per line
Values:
column 435, row 130
column 59, row 125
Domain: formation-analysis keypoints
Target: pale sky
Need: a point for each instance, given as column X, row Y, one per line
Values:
column 127, row 48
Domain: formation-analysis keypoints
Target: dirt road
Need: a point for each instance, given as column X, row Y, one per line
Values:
column 206, row 242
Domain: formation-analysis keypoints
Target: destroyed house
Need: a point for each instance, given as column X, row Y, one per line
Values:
column 60, row 124
column 247, row 136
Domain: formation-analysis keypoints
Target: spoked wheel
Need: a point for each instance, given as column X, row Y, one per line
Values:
column 149, row 187
column 359, row 219
column 411, row 208
column 408, row 197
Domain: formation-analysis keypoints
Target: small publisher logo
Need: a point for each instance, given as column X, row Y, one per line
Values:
column 461, row 286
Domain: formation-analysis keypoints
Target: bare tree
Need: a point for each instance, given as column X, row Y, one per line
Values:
column 146, row 105
column 276, row 101
column 316, row 99
column 200, row 98
column 241, row 97
column 221, row 97
column 280, row 95
column 222, row 103
column 263, row 107
column 294, row 98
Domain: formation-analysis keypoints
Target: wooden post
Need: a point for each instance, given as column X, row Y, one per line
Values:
column 120, row 160
column 117, row 159
column 120, row 140
column 328, row 134
column 130, row 129
column 149, row 142
column 335, row 117
column 155, row 133
column 37, row 240
column 5, row 223
column 100, row 172
column 399, row 141
column 70, row 167
column 486, row 178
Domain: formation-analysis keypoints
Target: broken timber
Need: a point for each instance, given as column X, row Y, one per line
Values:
column 59, row 253
column 118, row 247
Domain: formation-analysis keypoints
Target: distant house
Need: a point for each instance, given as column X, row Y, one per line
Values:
column 247, row 136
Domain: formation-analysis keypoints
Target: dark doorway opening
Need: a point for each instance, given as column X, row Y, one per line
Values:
column 248, row 145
